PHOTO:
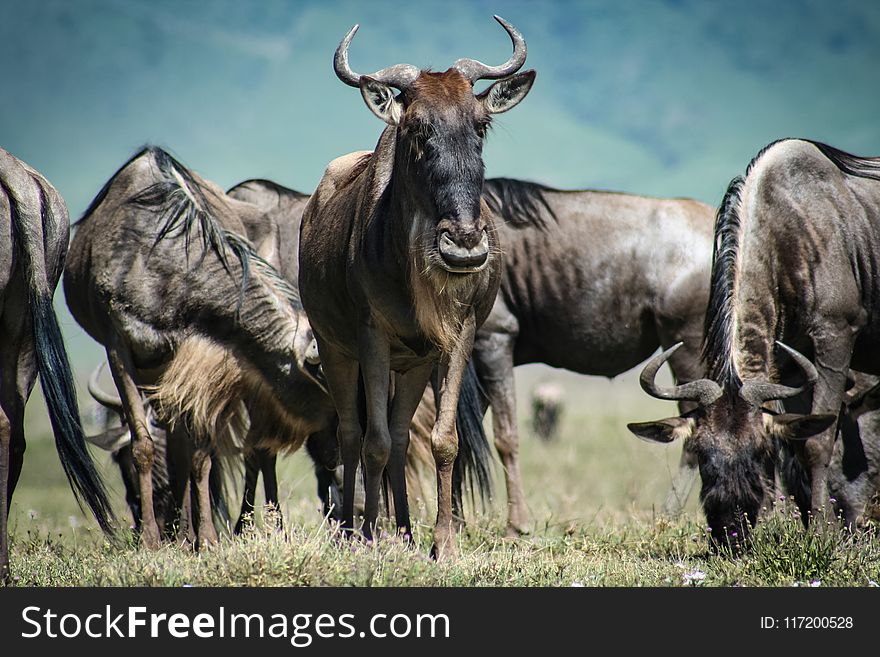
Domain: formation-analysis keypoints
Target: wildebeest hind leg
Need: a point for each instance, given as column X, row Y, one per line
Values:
column 201, row 471
column 122, row 368
column 5, row 449
column 18, row 374
column 493, row 359
column 251, row 474
column 268, row 462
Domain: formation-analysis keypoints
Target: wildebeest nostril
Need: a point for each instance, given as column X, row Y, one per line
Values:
column 457, row 255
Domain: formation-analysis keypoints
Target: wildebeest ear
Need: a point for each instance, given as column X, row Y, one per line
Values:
column 663, row 431
column 793, row 426
column 379, row 97
column 506, row 94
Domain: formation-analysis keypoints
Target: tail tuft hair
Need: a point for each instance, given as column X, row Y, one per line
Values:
column 59, row 390
column 474, row 461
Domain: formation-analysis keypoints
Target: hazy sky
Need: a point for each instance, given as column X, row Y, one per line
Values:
column 665, row 98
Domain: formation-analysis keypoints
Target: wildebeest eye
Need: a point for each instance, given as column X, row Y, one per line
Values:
column 482, row 126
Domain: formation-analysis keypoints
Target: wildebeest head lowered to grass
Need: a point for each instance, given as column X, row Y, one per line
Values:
column 399, row 265
column 795, row 263
column 34, row 230
column 159, row 273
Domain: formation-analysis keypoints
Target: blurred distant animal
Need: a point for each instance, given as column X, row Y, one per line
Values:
column 547, row 407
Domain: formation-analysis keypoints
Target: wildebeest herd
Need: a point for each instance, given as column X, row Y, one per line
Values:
column 376, row 320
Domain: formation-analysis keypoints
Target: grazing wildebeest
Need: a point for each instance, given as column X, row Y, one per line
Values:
column 795, row 262
column 35, row 230
column 399, row 265
column 160, row 274
column 594, row 282
column 547, row 404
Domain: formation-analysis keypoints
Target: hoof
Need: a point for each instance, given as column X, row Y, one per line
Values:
column 150, row 537
column 515, row 531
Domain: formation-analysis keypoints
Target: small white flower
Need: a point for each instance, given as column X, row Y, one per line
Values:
column 577, row 584
column 814, row 583
column 693, row 577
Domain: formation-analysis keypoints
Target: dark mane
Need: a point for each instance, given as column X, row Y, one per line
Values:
column 718, row 327
column 862, row 167
column 518, row 202
column 184, row 211
column 183, row 207
column 281, row 190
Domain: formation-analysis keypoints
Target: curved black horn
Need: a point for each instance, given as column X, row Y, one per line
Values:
column 758, row 392
column 474, row 70
column 399, row 76
column 102, row 397
column 704, row 391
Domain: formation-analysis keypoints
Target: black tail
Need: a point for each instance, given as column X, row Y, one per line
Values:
column 473, row 463
column 56, row 380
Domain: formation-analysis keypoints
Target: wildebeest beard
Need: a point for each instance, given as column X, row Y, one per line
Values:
column 441, row 172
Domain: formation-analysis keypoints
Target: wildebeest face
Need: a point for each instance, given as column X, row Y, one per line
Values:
column 441, row 126
column 734, row 439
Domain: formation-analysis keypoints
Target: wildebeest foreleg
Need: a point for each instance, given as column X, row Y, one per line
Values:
column 342, row 381
column 375, row 363
column 122, row 368
column 444, row 439
column 493, row 359
column 408, row 390
column 832, row 357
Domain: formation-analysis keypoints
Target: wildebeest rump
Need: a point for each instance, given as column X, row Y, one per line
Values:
column 795, row 262
column 160, row 274
column 399, row 266
column 34, row 231
column 593, row 282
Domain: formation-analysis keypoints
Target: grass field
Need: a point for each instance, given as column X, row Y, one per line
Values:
column 594, row 496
